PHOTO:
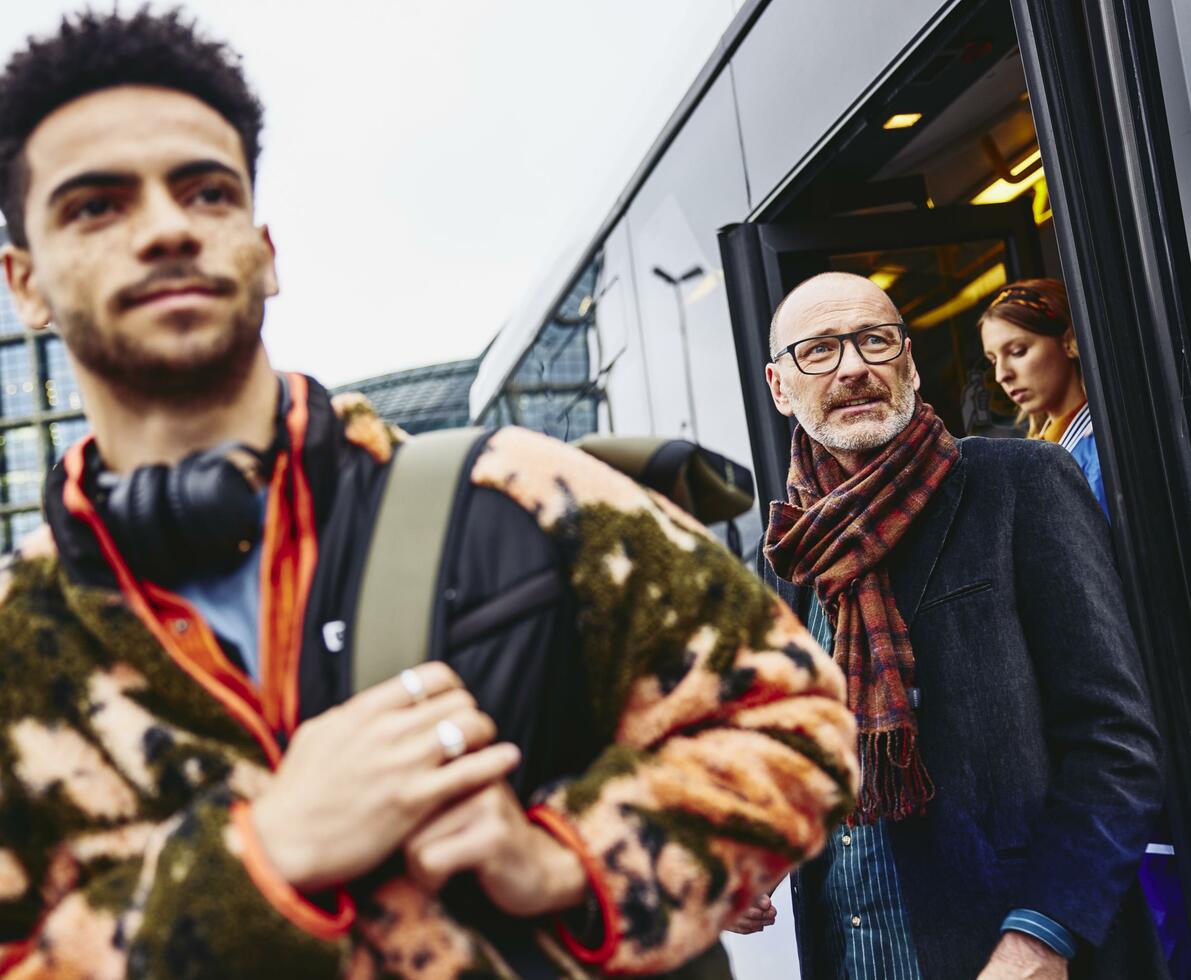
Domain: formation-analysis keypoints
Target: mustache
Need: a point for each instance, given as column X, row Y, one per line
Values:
column 171, row 274
column 868, row 389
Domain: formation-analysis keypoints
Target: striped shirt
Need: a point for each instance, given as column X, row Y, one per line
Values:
column 868, row 937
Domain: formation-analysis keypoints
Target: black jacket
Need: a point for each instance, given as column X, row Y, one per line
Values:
column 1035, row 722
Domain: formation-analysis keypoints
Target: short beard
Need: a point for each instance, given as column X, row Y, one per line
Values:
column 196, row 381
column 860, row 438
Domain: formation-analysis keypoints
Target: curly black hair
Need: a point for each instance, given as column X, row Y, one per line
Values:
column 94, row 51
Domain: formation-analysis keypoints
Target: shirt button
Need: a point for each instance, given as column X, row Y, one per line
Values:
column 847, row 840
column 855, row 922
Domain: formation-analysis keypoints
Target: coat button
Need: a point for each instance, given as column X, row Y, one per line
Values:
column 181, row 626
column 855, row 922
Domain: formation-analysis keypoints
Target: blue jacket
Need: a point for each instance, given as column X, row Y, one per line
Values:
column 1034, row 723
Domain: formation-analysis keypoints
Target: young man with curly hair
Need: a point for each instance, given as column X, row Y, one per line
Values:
column 187, row 785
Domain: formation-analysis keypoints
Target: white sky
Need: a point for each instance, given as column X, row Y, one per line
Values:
column 426, row 159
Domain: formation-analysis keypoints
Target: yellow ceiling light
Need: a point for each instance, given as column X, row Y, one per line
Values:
column 1042, row 209
column 1001, row 190
column 975, row 291
column 902, row 120
column 886, row 276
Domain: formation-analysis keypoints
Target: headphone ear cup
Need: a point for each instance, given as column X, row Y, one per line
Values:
column 135, row 508
column 215, row 509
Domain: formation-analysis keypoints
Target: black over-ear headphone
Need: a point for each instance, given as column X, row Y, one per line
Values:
column 199, row 517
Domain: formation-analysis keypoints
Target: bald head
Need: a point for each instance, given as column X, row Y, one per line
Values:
column 828, row 298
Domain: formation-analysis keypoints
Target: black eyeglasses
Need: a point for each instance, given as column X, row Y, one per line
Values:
column 878, row 344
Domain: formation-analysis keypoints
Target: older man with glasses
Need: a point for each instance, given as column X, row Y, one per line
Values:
column 1009, row 762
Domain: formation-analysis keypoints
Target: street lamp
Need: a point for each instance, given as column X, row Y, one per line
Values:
column 675, row 283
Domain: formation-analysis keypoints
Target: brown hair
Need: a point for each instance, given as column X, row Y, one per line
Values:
column 1039, row 306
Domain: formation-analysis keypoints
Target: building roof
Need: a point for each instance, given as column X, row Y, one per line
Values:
column 418, row 399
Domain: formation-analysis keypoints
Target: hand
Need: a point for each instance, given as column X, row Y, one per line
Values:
column 1022, row 957
column 359, row 778
column 758, row 916
column 521, row 867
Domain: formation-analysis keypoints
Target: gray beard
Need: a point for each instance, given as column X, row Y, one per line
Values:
column 207, row 378
column 866, row 440
column 861, row 439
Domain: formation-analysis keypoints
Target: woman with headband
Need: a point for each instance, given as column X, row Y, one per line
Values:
column 1028, row 339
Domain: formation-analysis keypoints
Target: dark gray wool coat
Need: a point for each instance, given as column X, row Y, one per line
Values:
column 1034, row 723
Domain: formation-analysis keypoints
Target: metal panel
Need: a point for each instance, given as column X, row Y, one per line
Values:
column 807, row 64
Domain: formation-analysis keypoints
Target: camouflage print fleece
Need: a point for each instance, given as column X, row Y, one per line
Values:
column 124, row 785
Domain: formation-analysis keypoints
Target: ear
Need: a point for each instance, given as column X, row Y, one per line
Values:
column 31, row 305
column 1070, row 348
column 781, row 396
column 915, row 377
column 270, row 271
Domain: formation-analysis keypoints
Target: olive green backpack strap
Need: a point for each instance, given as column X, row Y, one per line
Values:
column 395, row 608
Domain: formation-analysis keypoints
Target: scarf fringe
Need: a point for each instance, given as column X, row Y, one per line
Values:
column 898, row 788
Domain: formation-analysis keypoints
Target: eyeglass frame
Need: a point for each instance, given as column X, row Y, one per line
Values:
column 843, row 338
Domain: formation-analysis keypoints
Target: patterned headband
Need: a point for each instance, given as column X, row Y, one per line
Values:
column 1024, row 296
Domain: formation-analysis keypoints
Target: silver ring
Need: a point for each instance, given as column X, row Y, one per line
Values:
column 413, row 685
column 451, row 738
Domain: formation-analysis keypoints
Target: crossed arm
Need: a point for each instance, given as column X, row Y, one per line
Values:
column 729, row 757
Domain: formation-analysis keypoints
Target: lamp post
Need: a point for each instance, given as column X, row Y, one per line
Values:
column 675, row 283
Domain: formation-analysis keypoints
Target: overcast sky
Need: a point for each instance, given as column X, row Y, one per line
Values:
column 426, row 159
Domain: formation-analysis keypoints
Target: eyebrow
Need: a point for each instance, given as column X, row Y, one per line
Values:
column 108, row 178
column 198, row 168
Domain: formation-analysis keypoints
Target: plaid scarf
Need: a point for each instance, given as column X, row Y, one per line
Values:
column 835, row 534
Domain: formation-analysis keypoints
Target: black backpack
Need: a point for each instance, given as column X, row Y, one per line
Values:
column 398, row 592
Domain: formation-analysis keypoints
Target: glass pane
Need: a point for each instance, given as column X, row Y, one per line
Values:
column 65, row 434
column 562, row 415
column 20, row 466
column 16, row 380
column 560, row 354
column 686, row 330
column 9, row 321
column 941, row 292
column 61, row 389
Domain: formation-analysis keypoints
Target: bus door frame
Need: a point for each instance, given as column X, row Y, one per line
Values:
column 1096, row 94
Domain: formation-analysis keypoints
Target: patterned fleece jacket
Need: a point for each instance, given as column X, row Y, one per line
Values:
column 127, row 769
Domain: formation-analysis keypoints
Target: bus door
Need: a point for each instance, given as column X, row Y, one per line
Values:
column 941, row 266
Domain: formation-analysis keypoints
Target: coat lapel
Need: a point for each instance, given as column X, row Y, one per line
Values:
column 914, row 558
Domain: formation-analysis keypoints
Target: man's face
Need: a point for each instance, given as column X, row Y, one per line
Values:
column 142, row 247
column 859, row 407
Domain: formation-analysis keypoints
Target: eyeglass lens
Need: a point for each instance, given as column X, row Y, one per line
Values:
column 876, row 345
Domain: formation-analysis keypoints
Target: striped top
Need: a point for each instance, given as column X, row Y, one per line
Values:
column 1080, row 441
column 1077, row 428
